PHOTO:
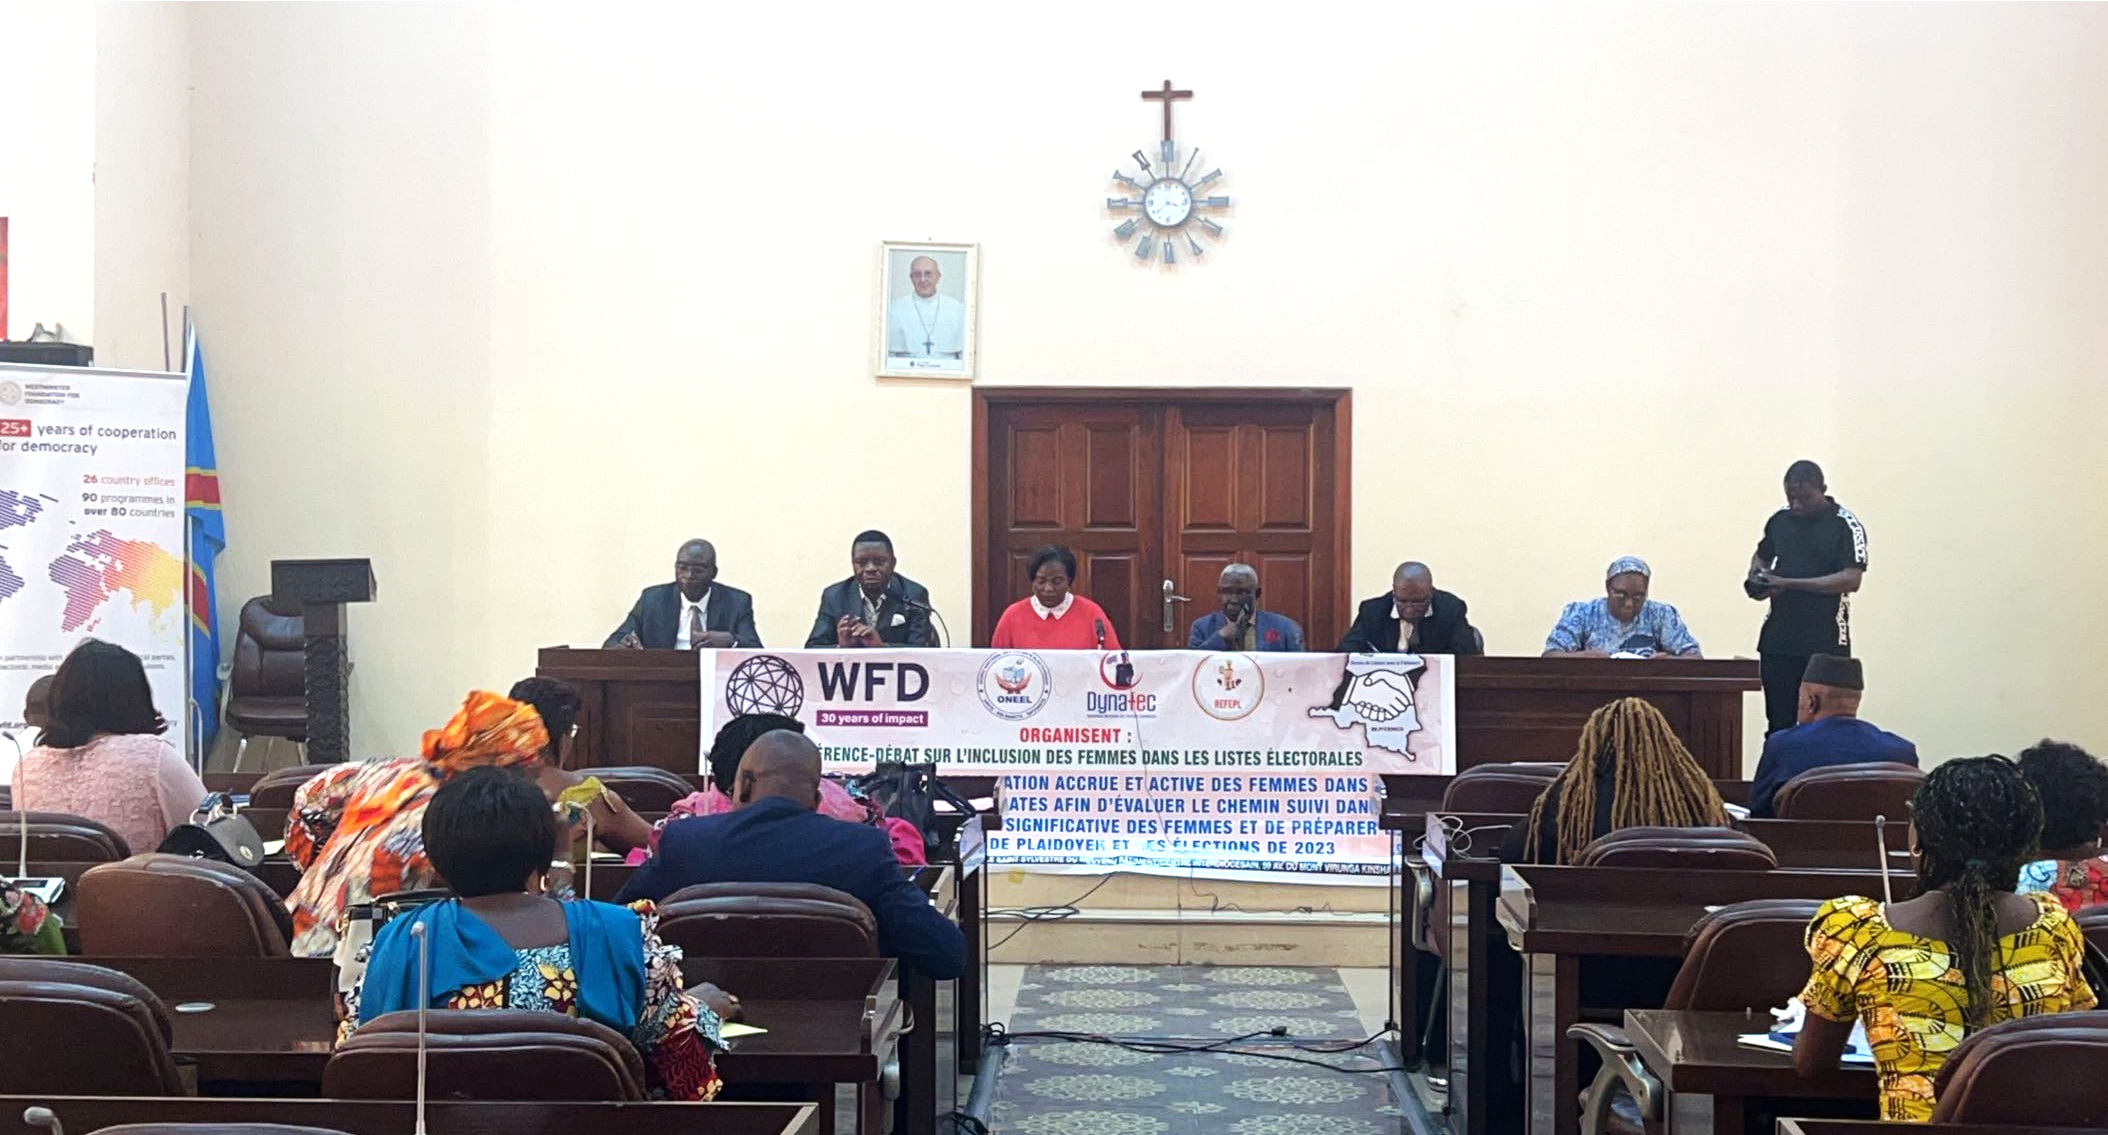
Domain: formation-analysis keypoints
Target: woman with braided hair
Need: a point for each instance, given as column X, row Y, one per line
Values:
column 1629, row 771
column 1964, row 954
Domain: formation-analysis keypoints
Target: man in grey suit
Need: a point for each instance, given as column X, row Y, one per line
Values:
column 694, row 612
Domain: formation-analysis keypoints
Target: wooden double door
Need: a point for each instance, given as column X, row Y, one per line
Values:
column 1156, row 491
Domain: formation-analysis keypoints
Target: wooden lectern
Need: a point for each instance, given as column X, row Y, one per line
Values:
column 642, row 707
column 322, row 588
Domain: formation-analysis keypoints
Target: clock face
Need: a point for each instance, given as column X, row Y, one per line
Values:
column 1170, row 201
column 1167, row 203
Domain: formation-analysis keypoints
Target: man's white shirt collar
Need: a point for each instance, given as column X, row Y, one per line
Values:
column 1067, row 601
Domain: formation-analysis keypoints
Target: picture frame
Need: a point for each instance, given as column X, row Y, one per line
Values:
column 927, row 309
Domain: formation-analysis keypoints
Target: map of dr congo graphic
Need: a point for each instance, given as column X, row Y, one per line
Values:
column 93, row 567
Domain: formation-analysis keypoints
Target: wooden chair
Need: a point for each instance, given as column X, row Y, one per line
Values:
column 486, row 1054
column 768, row 920
column 1679, row 849
column 2032, row 1071
column 170, row 906
column 55, row 837
column 77, row 1029
column 1746, row 955
column 1849, row 792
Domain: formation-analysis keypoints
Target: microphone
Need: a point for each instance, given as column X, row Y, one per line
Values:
column 587, row 891
column 1881, row 844
column 1099, row 626
column 424, row 998
column 42, row 1117
column 899, row 590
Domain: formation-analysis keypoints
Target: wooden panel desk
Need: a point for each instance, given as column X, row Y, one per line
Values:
column 81, row 1114
column 644, row 706
column 1555, row 916
column 270, row 1021
column 1709, row 1079
column 1466, row 874
column 1532, row 709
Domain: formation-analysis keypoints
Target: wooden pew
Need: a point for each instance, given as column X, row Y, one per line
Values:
column 84, row 1114
column 1555, row 916
column 1709, row 1080
column 248, row 1023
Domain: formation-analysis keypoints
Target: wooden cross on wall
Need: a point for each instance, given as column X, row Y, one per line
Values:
column 1168, row 95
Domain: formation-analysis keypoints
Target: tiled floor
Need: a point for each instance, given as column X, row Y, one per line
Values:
column 1370, row 989
column 1059, row 1081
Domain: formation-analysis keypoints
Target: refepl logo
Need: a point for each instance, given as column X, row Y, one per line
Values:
column 10, row 393
column 1014, row 685
column 1228, row 687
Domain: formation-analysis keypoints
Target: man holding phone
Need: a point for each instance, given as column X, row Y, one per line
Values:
column 1240, row 624
column 1811, row 559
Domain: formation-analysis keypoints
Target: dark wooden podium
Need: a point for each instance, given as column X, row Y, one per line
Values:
column 1532, row 709
column 642, row 707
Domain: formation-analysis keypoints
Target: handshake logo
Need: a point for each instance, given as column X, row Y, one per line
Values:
column 1377, row 693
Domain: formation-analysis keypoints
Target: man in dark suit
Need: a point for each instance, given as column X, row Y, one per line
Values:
column 1413, row 619
column 875, row 606
column 694, row 612
column 775, row 836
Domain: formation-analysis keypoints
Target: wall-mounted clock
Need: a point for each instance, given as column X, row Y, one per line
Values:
column 1170, row 196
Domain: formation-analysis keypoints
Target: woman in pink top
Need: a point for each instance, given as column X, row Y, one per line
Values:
column 103, row 756
column 1054, row 617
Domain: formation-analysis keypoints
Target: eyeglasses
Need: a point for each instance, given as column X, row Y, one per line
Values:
column 1618, row 593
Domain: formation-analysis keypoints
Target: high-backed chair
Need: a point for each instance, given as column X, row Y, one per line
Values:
column 1744, row 956
column 645, row 788
column 82, row 1030
column 1679, row 849
column 486, row 1054
column 170, row 906
column 267, row 691
column 768, row 920
column 1849, row 792
column 55, row 837
column 2033, row 1071
column 275, row 789
column 1509, row 787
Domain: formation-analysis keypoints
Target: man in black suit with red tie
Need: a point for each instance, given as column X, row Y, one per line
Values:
column 1413, row 619
column 694, row 612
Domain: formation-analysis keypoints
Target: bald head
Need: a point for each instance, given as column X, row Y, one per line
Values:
column 695, row 569
column 36, row 709
column 779, row 763
column 1413, row 590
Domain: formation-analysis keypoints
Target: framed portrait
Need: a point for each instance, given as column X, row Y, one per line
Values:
column 926, row 309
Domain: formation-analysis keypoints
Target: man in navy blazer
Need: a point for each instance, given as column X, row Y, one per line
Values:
column 694, row 612
column 775, row 836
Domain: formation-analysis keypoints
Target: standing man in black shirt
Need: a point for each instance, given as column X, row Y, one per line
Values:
column 1811, row 559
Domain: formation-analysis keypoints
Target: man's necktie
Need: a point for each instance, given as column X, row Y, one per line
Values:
column 695, row 628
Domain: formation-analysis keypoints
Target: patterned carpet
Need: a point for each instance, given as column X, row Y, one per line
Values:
column 1058, row 1087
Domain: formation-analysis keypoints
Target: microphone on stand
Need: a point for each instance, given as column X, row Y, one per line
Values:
column 1099, row 626
column 42, row 1117
column 1881, row 843
column 586, row 892
column 424, row 997
column 899, row 590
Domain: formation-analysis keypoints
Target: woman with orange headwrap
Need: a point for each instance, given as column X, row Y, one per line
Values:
column 357, row 830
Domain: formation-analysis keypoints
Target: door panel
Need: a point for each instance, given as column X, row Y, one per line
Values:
column 1083, row 476
column 1150, row 485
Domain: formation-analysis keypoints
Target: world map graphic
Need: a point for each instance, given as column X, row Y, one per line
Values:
column 92, row 568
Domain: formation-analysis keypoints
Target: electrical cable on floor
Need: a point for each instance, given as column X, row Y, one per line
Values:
column 1028, row 915
column 1163, row 1046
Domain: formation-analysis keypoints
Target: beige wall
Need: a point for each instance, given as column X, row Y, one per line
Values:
column 47, row 170
column 513, row 299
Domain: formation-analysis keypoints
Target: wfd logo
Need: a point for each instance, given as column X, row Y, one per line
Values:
column 840, row 681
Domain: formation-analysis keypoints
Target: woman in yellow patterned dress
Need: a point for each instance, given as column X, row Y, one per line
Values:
column 1965, row 954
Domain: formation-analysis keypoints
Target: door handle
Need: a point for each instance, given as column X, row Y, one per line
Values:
column 1170, row 597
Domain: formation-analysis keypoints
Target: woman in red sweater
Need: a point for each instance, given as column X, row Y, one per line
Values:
column 1053, row 617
